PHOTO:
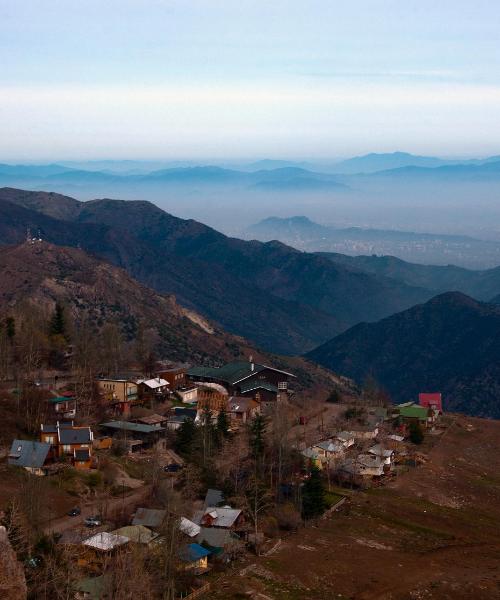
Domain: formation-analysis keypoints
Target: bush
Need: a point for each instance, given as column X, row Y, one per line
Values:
column 334, row 397
column 288, row 517
column 416, row 433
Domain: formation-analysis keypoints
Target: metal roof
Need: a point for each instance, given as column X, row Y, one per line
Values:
column 188, row 527
column 233, row 372
column 224, row 516
column 26, row 453
column 78, row 435
column 193, row 552
column 136, row 533
column 150, row 517
column 213, row 497
column 214, row 537
column 105, row 541
column 134, row 427
column 254, row 385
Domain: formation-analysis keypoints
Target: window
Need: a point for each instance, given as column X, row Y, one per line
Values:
column 49, row 439
column 67, row 448
column 282, row 385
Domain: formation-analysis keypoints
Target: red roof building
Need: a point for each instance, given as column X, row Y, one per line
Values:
column 431, row 401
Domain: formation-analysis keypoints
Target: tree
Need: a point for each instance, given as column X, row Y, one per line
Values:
column 185, row 438
column 58, row 321
column 258, row 500
column 416, row 433
column 257, row 431
column 313, row 495
column 222, row 424
column 334, row 396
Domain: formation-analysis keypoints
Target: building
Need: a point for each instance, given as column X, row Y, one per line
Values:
column 119, row 393
column 149, row 517
column 250, row 379
column 194, row 557
column 137, row 534
column 150, row 389
column 136, row 435
column 219, row 516
column 328, row 450
column 63, row 406
column 415, row 413
column 175, row 375
column 65, row 439
column 346, row 438
column 363, row 432
column 82, row 459
column 241, row 410
column 386, row 455
column 29, row 455
column 153, row 420
column 433, row 401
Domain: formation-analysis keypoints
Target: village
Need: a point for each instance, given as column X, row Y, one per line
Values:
column 142, row 446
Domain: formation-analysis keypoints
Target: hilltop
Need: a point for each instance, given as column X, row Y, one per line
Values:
column 450, row 344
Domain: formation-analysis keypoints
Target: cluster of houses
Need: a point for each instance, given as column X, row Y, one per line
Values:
column 212, row 534
column 370, row 451
column 241, row 389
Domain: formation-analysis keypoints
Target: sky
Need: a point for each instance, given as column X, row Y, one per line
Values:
column 200, row 79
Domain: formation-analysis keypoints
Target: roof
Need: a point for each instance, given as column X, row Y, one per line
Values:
column 378, row 450
column 309, row 453
column 26, row 453
column 61, row 399
column 82, row 454
column 153, row 384
column 431, row 399
column 149, row 517
column 344, row 436
column 329, row 446
column 214, row 537
column 188, row 527
column 105, row 541
column 233, row 372
column 152, row 419
column 249, row 386
column 93, row 587
column 414, row 412
column 213, row 497
column 396, row 438
column 186, row 412
column 134, row 427
column 193, row 552
column 224, row 516
column 136, row 533
column 77, row 435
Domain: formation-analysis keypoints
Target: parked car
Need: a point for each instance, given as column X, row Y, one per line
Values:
column 74, row 512
column 93, row 521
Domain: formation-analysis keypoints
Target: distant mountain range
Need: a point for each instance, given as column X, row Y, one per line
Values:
column 450, row 344
column 284, row 300
column 304, row 234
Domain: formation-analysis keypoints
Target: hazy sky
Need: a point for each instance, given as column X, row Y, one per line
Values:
column 247, row 78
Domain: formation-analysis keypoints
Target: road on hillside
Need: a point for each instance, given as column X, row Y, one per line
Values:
column 113, row 506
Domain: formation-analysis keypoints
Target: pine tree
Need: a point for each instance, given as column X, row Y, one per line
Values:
column 257, row 431
column 58, row 321
column 222, row 424
column 313, row 495
column 416, row 433
column 186, row 438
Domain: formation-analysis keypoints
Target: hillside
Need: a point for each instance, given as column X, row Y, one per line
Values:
column 41, row 274
column 284, row 300
column 482, row 285
column 450, row 344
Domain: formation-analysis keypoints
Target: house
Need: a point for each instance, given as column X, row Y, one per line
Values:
column 29, row 455
column 241, row 410
column 433, row 401
column 153, row 420
column 364, row 432
column 175, row 375
column 63, row 406
column 241, row 378
column 216, row 539
column 188, row 394
column 220, row 516
column 328, row 450
column 144, row 436
column 385, row 454
column 345, row 438
column 365, row 466
column 105, row 541
column 82, row 459
column 66, row 438
column 212, row 400
column 137, row 534
column 152, row 388
column 189, row 528
column 194, row 557
column 120, row 393
column 415, row 413
column 312, row 457
column 149, row 517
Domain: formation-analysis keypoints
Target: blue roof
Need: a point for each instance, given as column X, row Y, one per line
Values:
column 193, row 552
column 26, row 453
